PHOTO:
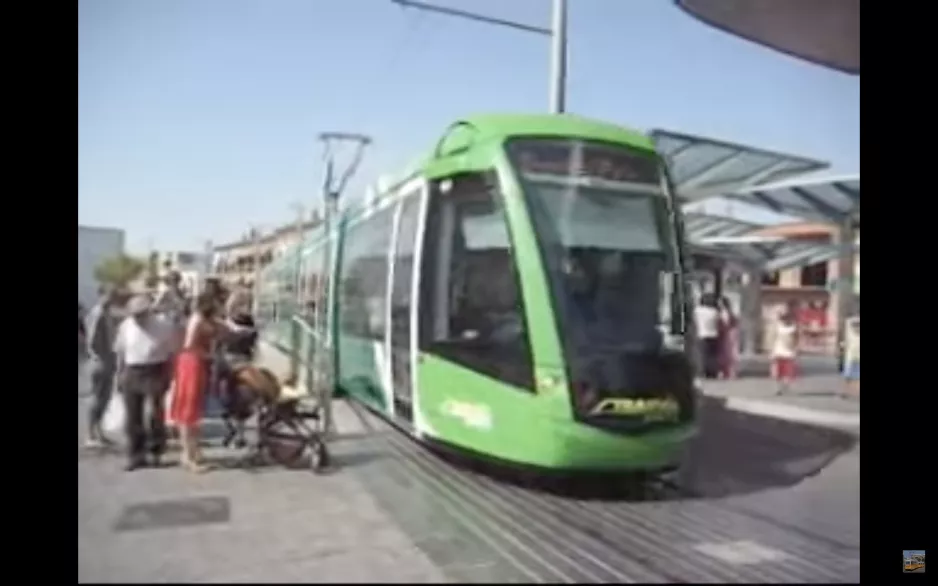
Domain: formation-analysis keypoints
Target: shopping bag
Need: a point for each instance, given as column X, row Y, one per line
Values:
column 115, row 416
column 167, row 403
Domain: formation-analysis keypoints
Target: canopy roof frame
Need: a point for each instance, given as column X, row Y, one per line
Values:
column 703, row 167
column 768, row 256
column 830, row 200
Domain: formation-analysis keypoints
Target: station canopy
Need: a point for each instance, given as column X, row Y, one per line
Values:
column 733, row 237
column 824, row 32
column 832, row 200
column 704, row 167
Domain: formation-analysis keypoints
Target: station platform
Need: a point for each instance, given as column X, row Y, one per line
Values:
column 238, row 525
column 814, row 398
column 760, row 500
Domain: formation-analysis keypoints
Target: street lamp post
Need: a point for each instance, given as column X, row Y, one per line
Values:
column 557, row 34
column 558, row 61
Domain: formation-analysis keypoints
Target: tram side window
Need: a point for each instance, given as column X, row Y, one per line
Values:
column 263, row 299
column 364, row 276
column 471, row 307
column 309, row 280
column 286, row 290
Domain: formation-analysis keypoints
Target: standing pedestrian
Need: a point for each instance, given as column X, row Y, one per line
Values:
column 170, row 302
column 784, row 351
column 82, row 338
column 238, row 303
column 144, row 345
column 852, row 358
column 102, row 363
column 729, row 339
column 192, row 374
column 707, row 320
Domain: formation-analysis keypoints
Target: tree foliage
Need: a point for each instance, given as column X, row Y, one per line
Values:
column 118, row 271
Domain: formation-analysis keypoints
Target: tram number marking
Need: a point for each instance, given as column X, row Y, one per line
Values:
column 477, row 416
column 651, row 410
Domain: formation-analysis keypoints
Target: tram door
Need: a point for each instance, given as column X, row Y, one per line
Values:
column 401, row 334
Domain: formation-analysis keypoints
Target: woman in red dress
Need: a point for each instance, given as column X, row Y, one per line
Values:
column 192, row 377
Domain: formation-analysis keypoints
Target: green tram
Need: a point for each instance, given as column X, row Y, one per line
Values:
column 519, row 296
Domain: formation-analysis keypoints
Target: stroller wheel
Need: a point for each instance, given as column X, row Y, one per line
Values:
column 318, row 456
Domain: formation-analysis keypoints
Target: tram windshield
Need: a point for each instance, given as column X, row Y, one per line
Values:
column 601, row 213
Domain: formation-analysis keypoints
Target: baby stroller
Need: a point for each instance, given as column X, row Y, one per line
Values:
column 285, row 430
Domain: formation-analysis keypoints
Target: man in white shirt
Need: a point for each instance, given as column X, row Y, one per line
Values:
column 707, row 320
column 143, row 346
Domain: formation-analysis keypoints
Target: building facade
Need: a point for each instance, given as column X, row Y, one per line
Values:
column 237, row 263
column 811, row 289
column 191, row 266
column 94, row 246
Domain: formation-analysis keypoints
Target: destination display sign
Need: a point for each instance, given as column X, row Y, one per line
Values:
column 594, row 161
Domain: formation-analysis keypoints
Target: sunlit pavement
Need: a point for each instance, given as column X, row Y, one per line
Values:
column 814, row 398
column 266, row 525
column 762, row 500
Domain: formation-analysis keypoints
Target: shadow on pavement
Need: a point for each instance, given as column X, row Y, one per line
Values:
column 738, row 453
column 734, row 453
column 797, row 393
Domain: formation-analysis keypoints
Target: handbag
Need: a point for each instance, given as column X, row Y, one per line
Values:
column 168, row 403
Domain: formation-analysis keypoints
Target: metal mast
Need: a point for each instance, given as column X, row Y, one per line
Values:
column 334, row 184
column 557, row 33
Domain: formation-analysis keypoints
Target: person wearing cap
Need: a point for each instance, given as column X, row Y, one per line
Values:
column 100, row 328
column 144, row 346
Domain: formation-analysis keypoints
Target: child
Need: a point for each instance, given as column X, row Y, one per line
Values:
column 852, row 358
column 784, row 351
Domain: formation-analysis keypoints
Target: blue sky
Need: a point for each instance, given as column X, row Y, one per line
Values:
column 199, row 117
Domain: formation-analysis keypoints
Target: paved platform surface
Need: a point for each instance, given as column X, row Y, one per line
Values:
column 813, row 398
column 280, row 526
column 761, row 500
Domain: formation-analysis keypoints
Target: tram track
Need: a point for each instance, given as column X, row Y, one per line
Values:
column 547, row 537
column 535, row 546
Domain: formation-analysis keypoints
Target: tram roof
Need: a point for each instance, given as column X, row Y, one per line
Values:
column 771, row 254
column 463, row 134
column 480, row 127
column 831, row 200
column 704, row 167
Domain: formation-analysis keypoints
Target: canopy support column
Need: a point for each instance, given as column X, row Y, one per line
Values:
column 751, row 312
column 846, row 237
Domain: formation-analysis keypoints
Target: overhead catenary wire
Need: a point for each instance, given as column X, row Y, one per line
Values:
column 380, row 65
